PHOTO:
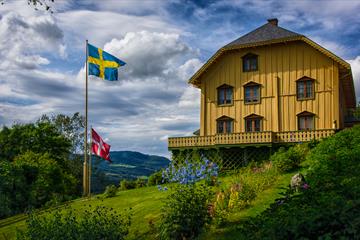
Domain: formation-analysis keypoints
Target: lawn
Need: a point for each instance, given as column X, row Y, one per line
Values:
column 145, row 203
column 146, row 206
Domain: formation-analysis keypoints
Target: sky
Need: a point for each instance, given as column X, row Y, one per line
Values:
column 163, row 42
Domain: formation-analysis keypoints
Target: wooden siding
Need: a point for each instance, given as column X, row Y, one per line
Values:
column 280, row 65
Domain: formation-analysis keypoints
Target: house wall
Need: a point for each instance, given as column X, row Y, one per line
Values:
column 280, row 65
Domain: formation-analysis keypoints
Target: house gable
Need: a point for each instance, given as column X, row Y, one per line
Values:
column 270, row 34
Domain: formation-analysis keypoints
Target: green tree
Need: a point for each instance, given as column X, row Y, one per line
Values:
column 72, row 127
column 35, row 167
column 38, row 138
column 44, row 178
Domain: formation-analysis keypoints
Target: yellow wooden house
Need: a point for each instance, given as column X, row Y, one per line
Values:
column 271, row 86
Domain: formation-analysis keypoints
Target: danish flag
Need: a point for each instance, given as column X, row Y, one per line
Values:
column 99, row 147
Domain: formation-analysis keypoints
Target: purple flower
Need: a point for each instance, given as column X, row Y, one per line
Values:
column 306, row 186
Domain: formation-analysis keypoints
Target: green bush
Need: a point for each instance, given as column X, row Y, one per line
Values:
column 329, row 208
column 290, row 159
column 185, row 212
column 127, row 184
column 98, row 223
column 140, row 182
column 155, row 178
column 110, row 191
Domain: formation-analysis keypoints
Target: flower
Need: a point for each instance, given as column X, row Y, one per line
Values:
column 305, row 186
column 190, row 172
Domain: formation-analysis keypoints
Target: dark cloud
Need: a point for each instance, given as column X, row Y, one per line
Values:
column 183, row 126
column 49, row 30
column 45, row 87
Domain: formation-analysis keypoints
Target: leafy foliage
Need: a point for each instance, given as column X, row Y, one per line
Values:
column 290, row 159
column 35, row 167
column 245, row 186
column 127, row 184
column 71, row 127
column 43, row 178
column 329, row 207
column 37, row 138
column 185, row 212
column 186, row 209
column 110, row 191
column 97, row 223
column 155, row 178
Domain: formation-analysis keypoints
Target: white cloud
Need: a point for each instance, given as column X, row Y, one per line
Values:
column 190, row 98
column 149, row 54
column 24, row 39
column 101, row 26
column 355, row 67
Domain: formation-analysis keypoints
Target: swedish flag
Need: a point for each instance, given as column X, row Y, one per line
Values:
column 103, row 64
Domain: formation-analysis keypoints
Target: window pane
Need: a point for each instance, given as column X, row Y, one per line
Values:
column 301, row 123
column 257, row 125
column 246, row 64
column 300, row 90
column 256, row 93
column 228, row 95
column 309, row 89
column 229, row 126
column 221, row 96
column 247, row 94
column 309, row 123
column 248, row 125
column 220, row 127
column 253, row 61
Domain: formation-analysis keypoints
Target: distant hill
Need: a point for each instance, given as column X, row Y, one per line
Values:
column 125, row 165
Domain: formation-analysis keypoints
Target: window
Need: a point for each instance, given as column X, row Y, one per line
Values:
column 252, row 92
column 253, row 123
column 305, row 121
column 305, row 88
column 224, row 125
column 250, row 62
column 225, row 95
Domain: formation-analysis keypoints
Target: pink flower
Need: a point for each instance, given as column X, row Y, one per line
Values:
column 306, row 186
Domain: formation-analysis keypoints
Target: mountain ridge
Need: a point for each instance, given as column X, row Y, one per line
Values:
column 128, row 165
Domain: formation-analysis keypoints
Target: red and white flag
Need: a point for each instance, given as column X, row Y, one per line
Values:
column 99, row 147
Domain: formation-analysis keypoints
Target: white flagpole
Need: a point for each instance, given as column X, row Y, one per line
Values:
column 86, row 170
column 90, row 161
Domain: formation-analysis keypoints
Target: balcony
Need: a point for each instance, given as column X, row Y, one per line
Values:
column 247, row 138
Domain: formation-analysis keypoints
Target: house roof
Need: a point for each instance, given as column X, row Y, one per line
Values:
column 271, row 33
column 266, row 32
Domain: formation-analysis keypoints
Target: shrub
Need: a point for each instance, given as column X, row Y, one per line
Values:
column 140, row 182
column 288, row 160
column 98, row 223
column 127, row 184
column 110, row 191
column 155, row 178
column 185, row 212
column 329, row 206
column 245, row 186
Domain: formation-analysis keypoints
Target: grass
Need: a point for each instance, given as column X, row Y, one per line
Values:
column 229, row 231
column 146, row 206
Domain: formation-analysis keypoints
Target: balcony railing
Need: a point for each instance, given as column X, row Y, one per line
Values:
column 249, row 138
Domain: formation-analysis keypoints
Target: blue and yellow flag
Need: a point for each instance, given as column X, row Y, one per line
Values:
column 103, row 64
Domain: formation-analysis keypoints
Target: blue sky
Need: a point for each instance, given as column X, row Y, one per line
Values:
column 163, row 43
